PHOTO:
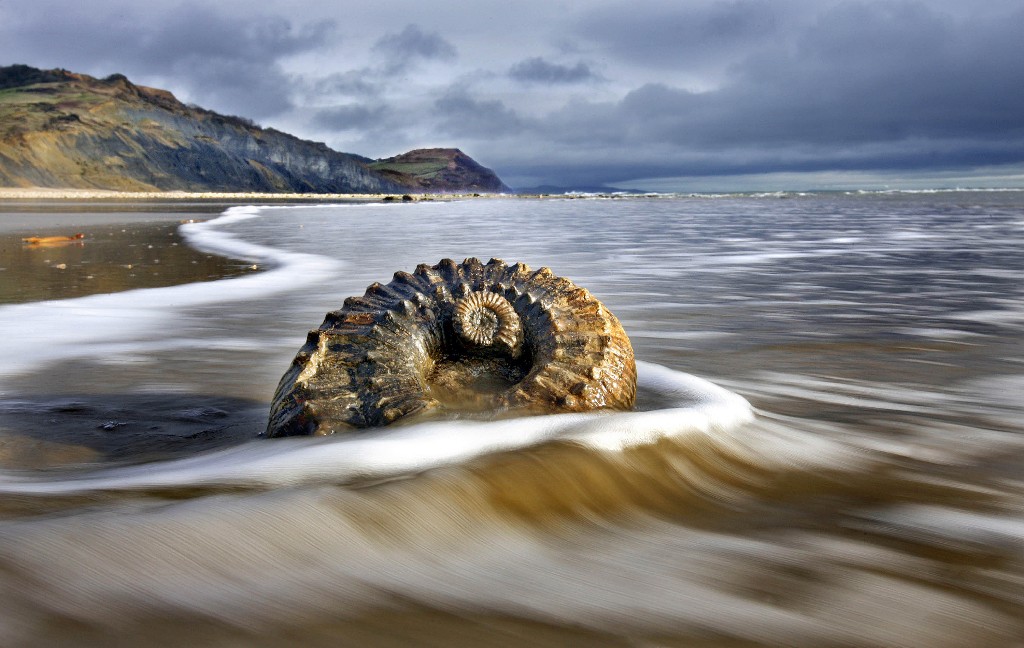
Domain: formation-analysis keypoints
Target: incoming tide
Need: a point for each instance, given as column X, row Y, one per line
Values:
column 827, row 449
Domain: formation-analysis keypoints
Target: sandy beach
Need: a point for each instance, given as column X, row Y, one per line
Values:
column 32, row 211
column 41, row 211
column 47, row 193
column 67, row 193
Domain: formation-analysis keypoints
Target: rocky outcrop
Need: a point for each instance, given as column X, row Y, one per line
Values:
column 62, row 129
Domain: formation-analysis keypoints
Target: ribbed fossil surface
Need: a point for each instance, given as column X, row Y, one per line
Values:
column 457, row 338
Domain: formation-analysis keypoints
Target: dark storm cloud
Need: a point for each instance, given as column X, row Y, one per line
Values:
column 686, row 35
column 200, row 33
column 359, row 91
column 862, row 74
column 411, row 44
column 864, row 86
column 463, row 116
column 228, row 62
column 352, row 117
column 538, row 70
column 359, row 83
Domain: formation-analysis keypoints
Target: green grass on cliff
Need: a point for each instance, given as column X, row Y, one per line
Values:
column 48, row 93
column 412, row 168
column 16, row 97
column 32, row 107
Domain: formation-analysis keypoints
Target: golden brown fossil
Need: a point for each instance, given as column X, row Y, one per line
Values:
column 452, row 339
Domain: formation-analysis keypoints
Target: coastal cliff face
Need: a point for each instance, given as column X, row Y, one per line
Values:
column 61, row 129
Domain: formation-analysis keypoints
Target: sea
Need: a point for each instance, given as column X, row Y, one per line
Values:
column 827, row 448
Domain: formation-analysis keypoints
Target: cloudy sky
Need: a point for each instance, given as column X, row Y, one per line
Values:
column 682, row 95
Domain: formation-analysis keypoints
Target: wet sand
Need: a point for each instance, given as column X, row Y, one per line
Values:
column 32, row 217
column 69, row 193
column 8, row 194
column 125, row 246
column 87, row 429
column 128, row 244
column 130, row 237
column 47, row 209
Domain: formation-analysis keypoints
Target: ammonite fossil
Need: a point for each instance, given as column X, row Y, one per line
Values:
column 457, row 338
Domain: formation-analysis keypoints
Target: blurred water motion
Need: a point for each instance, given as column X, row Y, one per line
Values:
column 874, row 499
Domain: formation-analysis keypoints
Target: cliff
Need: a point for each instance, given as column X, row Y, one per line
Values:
column 439, row 170
column 61, row 129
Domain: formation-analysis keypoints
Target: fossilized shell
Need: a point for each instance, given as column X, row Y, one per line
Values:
column 457, row 338
column 485, row 319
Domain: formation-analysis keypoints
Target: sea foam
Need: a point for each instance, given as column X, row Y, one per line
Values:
column 696, row 406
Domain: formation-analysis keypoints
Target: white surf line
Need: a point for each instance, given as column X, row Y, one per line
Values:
column 38, row 333
column 702, row 407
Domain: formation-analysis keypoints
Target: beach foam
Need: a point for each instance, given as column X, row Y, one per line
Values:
column 696, row 406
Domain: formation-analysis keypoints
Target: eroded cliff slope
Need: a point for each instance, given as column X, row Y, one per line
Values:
column 62, row 129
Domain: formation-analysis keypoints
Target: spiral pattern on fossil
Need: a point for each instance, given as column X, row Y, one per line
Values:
column 457, row 338
column 482, row 319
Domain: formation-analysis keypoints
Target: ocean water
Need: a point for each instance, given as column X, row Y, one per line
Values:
column 828, row 449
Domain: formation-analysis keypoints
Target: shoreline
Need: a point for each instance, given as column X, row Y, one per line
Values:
column 88, row 195
column 39, row 195
column 110, row 249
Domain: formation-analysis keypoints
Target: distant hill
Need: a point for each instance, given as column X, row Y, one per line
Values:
column 439, row 170
column 62, row 129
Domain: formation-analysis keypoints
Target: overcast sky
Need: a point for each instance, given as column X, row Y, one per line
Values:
column 683, row 95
